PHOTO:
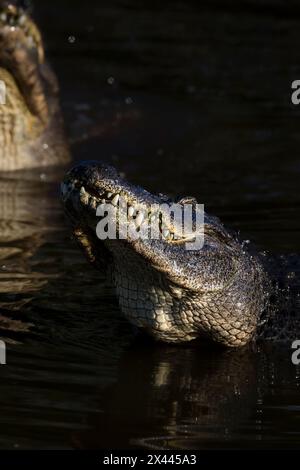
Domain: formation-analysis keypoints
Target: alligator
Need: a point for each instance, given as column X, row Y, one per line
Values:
column 223, row 292
column 31, row 127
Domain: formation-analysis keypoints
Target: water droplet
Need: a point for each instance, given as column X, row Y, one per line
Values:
column 191, row 89
column 110, row 80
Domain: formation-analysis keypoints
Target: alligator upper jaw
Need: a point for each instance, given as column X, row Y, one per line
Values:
column 91, row 186
column 22, row 58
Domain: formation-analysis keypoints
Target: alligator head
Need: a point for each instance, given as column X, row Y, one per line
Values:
column 219, row 291
column 31, row 130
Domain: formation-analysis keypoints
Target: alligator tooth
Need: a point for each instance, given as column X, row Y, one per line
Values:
column 109, row 195
column 165, row 233
column 177, row 237
column 123, row 202
column 115, row 200
column 83, row 195
column 131, row 211
column 139, row 219
column 103, row 201
column 172, row 236
column 3, row 17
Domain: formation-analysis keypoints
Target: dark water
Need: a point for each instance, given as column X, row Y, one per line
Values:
column 186, row 100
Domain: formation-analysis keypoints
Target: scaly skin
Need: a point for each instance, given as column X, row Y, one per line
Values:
column 219, row 292
column 31, row 128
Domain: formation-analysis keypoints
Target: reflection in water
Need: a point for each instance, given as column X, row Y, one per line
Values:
column 190, row 397
column 28, row 217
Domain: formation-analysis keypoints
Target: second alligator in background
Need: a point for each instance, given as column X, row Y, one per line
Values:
column 31, row 126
